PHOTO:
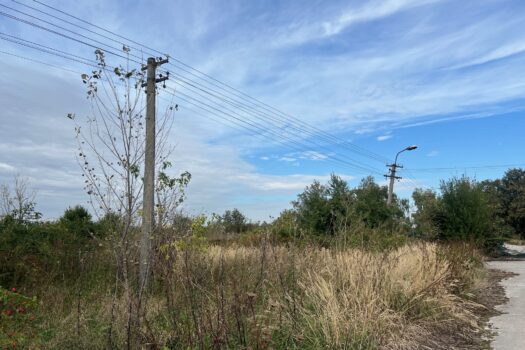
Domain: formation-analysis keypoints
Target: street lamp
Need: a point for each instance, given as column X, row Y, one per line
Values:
column 392, row 175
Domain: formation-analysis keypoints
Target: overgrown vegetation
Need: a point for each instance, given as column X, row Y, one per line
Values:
column 263, row 294
column 364, row 276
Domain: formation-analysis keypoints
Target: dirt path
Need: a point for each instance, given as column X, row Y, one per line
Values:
column 510, row 325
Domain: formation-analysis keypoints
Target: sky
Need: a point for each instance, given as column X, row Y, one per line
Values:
column 381, row 75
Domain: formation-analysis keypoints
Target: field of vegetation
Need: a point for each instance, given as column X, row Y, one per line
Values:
column 340, row 270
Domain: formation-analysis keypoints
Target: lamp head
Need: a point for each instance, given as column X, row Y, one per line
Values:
column 411, row 148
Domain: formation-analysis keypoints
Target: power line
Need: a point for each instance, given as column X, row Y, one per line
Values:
column 239, row 126
column 195, row 86
column 203, row 76
column 479, row 167
column 40, row 62
column 257, row 129
column 33, row 24
column 60, row 54
column 292, row 142
column 303, row 128
column 312, row 142
column 47, row 49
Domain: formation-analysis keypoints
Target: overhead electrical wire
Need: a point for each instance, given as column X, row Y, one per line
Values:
column 310, row 142
column 33, row 24
column 197, row 88
column 304, row 128
column 292, row 144
column 460, row 168
column 210, row 80
column 261, row 128
column 16, row 18
column 47, row 49
column 261, row 133
column 40, row 62
column 60, row 55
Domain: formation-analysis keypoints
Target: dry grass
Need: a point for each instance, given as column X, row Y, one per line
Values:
column 281, row 297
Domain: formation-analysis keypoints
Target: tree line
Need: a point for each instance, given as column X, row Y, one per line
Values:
column 483, row 212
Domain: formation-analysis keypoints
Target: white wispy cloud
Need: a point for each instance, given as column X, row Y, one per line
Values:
column 384, row 137
column 6, row 168
column 316, row 28
column 313, row 155
column 369, row 12
column 287, row 159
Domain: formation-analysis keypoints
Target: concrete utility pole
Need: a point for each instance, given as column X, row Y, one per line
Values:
column 393, row 178
column 392, row 175
column 148, row 205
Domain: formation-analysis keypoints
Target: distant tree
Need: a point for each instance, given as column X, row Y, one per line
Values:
column 77, row 220
column 340, row 204
column 370, row 204
column 492, row 188
column 313, row 209
column 427, row 205
column 512, row 197
column 493, row 191
column 464, row 211
column 334, row 208
column 234, row 221
column 19, row 201
column 286, row 224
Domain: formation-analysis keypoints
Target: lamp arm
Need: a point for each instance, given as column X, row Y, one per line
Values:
column 397, row 155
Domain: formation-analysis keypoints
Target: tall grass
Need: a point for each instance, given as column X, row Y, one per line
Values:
column 278, row 297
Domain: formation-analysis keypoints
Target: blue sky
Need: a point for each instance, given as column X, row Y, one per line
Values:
column 445, row 75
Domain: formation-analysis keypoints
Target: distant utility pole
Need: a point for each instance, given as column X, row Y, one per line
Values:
column 392, row 173
column 148, row 205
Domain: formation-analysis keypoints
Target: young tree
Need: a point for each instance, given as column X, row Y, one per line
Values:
column 111, row 147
